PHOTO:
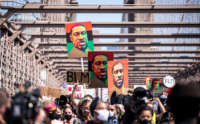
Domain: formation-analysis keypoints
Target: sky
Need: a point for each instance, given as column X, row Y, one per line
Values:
column 102, row 17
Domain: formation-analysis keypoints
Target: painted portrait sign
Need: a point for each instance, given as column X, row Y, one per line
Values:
column 79, row 39
column 97, row 66
column 118, row 76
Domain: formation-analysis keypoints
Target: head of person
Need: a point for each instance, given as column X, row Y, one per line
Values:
column 112, row 110
column 145, row 114
column 3, row 102
column 68, row 114
column 52, row 111
column 99, row 66
column 118, row 74
column 88, row 97
column 184, row 102
column 99, row 110
column 84, row 108
column 119, row 108
column 79, row 37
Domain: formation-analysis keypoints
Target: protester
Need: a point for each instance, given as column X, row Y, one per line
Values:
column 84, row 111
column 139, row 107
column 120, row 112
column 69, row 117
column 184, row 102
column 145, row 114
column 99, row 111
column 112, row 114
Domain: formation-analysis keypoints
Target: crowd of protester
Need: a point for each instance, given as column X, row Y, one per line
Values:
column 181, row 106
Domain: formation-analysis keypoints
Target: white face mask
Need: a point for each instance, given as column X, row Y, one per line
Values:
column 111, row 113
column 103, row 114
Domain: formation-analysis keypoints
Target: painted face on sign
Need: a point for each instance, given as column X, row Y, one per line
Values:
column 79, row 37
column 99, row 66
column 118, row 74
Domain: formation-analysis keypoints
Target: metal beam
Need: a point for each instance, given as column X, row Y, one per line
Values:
column 138, row 62
column 110, row 24
column 44, row 45
column 130, row 8
column 137, row 57
column 130, row 51
column 129, row 35
column 132, row 69
column 134, row 66
column 144, row 75
column 14, row 36
column 4, row 18
column 133, row 72
column 133, row 78
column 26, row 44
column 130, row 61
column 154, row 72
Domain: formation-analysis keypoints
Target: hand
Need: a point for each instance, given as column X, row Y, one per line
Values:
column 75, row 87
column 156, row 99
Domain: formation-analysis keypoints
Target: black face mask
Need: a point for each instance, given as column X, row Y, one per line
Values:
column 54, row 115
column 68, row 117
column 145, row 121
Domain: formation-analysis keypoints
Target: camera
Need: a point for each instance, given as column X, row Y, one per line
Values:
column 62, row 101
column 138, row 98
column 24, row 106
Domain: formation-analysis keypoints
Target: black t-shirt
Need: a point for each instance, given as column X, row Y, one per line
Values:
column 129, row 117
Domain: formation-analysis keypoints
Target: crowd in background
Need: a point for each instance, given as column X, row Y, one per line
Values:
column 181, row 106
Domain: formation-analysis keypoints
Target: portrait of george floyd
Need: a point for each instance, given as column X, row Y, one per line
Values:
column 118, row 76
column 79, row 39
column 97, row 66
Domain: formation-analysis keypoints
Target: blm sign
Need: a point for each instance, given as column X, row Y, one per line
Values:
column 81, row 77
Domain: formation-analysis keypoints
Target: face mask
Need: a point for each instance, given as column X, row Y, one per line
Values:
column 68, row 117
column 103, row 114
column 145, row 121
column 54, row 115
column 111, row 113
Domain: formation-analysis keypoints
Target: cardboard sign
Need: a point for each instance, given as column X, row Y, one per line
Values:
column 81, row 77
column 79, row 39
column 97, row 66
column 79, row 91
column 117, row 76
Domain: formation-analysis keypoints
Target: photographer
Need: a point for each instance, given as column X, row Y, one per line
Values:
column 132, row 104
column 25, row 106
